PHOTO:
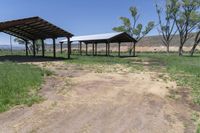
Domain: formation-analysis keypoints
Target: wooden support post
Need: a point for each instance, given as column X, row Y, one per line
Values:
column 26, row 45
column 34, row 48
column 61, row 47
column 86, row 48
column 54, row 48
column 69, row 47
column 80, row 48
column 119, row 49
column 93, row 49
column 108, row 49
column 43, row 48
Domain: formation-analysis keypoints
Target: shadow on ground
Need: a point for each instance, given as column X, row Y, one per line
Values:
column 23, row 59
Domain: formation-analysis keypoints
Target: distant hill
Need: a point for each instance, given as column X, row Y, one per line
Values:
column 150, row 43
column 156, row 41
column 15, row 47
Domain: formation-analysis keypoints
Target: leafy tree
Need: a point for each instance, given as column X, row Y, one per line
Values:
column 38, row 44
column 22, row 42
column 133, row 28
column 19, row 41
column 166, row 25
column 184, row 13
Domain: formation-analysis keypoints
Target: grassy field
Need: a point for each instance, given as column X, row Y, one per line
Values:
column 184, row 70
column 17, row 80
column 19, row 84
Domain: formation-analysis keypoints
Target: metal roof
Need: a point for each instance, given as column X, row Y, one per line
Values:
column 33, row 28
column 101, row 38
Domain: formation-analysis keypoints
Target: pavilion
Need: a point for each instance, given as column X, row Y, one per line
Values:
column 108, row 38
column 34, row 28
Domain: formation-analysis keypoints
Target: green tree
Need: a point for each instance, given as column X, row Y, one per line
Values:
column 38, row 44
column 166, row 24
column 133, row 28
column 197, row 33
column 184, row 13
column 196, row 41
column 22, row 42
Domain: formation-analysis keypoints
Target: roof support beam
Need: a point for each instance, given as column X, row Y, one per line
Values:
column 15, row 31
column 19, row 35
column 33, row 33
column 44, row 33
column 23, row 38
column 51, row 33
column 5, row 26
column 43, row 27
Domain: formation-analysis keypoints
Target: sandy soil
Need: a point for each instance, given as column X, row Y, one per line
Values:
column 78, row 100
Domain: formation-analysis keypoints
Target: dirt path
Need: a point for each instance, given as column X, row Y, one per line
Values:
column 82, row 101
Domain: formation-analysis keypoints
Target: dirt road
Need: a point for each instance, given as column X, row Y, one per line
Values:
column 78, row 100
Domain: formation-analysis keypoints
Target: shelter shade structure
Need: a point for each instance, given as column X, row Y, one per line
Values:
column 35, row 28
column 108, row 38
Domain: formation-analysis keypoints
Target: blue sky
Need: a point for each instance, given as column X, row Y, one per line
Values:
column 80, row 17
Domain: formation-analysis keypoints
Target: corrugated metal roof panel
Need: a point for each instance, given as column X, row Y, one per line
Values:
column 105, row 36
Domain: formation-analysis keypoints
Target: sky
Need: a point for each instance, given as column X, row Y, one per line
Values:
column 80, row 17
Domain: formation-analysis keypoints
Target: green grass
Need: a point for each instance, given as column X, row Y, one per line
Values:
column 19, row 84
column 103, row 64
column 184, row 70
column 14, row 52
column 99, row 60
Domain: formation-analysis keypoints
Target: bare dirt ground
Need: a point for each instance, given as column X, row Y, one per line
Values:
column 79, row 100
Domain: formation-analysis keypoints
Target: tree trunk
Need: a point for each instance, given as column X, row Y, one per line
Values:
column 29, row 50
column 130, row 51
column 180, row 50
column 134, row 49
column 37, row 50
column 168, row 49
column 193, row 49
